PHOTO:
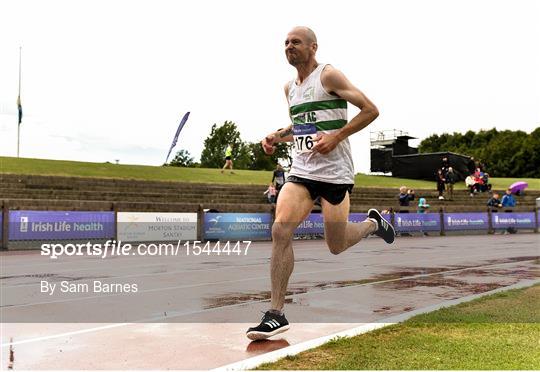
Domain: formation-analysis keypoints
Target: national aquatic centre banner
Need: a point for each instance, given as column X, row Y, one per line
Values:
column 58, row 225
column 410, row 222
column 237, row 226
column 526, row 220
column 466, row 221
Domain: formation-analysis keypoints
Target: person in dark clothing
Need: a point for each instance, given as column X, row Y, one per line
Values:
column 494, row 202
column 441, row 181
column 279, row 177
column 451, row 179
column 404, row 197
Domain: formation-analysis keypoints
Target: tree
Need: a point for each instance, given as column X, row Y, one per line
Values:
column 261, row 161
column 182, row 159
column 213, row 154
column 505, row 153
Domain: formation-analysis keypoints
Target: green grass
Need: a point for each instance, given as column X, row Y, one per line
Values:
column 157, row 173
column 495, row 332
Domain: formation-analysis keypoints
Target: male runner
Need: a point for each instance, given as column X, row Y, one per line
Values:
column 322, row 167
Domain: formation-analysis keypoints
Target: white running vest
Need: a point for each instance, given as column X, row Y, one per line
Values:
column 313, row 109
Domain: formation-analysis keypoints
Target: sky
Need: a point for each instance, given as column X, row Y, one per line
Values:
column 110, row 80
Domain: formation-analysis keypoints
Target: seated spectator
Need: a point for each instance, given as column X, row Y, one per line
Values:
column 471, row 184
column 508, row 200
column 441, row 181
column 423, row 206
column 494, row 202
column 271, row 193
column 405, row 196
column 485, row 185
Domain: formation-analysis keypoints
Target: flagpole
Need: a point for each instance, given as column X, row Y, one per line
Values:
column 19, row 103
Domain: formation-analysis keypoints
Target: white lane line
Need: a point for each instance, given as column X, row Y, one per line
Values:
column 273, row 356
column 9, row 307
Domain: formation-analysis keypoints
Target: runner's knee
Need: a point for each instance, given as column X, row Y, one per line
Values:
column 281, row 232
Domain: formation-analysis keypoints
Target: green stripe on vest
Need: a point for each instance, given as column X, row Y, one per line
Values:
column 331, row 124
column 319, row 105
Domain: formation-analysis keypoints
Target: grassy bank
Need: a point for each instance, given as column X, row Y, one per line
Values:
column 157, row 173
column 498, row 332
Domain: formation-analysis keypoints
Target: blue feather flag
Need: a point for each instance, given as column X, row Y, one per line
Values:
column 180, row 126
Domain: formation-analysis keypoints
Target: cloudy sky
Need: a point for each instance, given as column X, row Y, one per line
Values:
column 106, row 80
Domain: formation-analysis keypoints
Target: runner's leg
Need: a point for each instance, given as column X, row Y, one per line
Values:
column 293, row 206
column 339, row 233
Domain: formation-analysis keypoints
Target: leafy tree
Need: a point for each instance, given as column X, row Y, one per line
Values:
column 245, row 155
column 213, row 154
column 261, row 161
column 506, row 153
column 182, row 159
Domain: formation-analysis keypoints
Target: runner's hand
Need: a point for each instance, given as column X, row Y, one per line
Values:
column 325, row 143
column 268, row 144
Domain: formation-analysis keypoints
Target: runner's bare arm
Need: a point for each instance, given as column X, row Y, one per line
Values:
column 334, row 81
column 281, row 135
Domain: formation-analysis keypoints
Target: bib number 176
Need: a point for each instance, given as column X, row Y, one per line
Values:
column 303, row 135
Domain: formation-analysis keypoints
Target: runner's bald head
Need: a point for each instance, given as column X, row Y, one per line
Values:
column 307, row 32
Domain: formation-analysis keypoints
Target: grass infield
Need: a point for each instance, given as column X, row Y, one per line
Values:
column 204, row 175
column 498, row 332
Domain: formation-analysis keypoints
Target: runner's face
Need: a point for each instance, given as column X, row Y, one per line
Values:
column 297, row 48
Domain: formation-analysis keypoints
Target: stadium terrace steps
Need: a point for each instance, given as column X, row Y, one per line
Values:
column 81, row 193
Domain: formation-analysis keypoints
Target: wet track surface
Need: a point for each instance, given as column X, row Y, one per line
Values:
column 191, row 312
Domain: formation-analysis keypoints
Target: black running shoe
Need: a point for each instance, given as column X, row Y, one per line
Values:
column 271, row 324
column 384, row 229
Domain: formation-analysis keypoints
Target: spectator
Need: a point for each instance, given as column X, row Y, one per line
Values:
column 508, row 201
column 471, row 184
column 440, row 183
column 451, row 178
column 485, row 186
column 494, row 202
column 271, row 193
column 279, row 177
column 405, row 196
column 423, row 206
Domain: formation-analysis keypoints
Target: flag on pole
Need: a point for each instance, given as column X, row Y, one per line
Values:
column 175, row 139
column 19, row 106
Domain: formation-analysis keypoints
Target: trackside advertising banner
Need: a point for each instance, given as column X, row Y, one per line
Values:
column 524, row 220
column 237, row 226
column 312, row 225
column 411, row 222
column 59, row 225
column 143, row 227
column 466, row 221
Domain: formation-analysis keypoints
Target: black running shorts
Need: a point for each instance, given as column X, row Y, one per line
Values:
column 331, row 192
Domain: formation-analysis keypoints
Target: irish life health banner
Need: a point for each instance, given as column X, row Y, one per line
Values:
column 237, row 226
column 524, row 220
column 410, row 222
column 466, row 221
column 60, row 225
column 157, row 227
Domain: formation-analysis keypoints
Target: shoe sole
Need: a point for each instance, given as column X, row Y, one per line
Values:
column 254, row 335
column 392, row 238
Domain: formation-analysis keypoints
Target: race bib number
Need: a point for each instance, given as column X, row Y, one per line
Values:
column 303, row 135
